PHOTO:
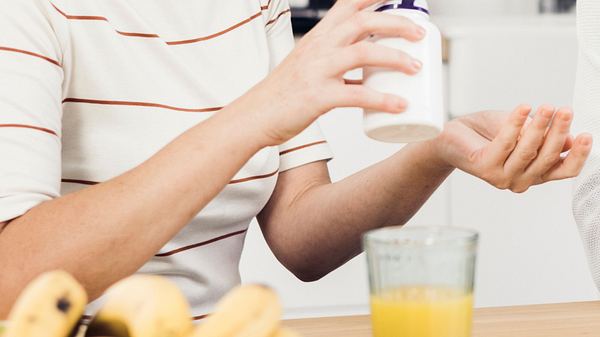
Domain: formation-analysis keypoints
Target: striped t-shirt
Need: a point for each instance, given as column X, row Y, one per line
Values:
column 90, row 89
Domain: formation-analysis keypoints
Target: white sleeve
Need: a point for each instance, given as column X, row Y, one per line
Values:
column 31, row 79
column 310, row 145
column 586, row 198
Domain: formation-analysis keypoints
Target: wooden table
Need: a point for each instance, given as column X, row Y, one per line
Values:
column 549, row 320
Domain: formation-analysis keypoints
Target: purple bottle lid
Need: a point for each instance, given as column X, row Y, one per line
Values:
column 403, row 4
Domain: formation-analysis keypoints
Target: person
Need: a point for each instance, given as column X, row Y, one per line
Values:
column 587, row 104
column 143, row 136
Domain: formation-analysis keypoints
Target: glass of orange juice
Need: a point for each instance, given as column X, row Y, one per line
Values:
column 421, row 281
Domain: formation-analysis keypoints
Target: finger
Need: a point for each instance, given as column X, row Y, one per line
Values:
column 363, row 97
column 572, row 165
column 363, row 24
column 554, row 143
column 504, row 143
column 530, row 141
column 486, row 123
column 568, row 144
column 371, row 54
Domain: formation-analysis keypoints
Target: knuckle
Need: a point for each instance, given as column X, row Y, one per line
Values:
column 355, row 4
column 571, row 173
column 527, row 155
column 549, row 160
column 361, row 53
column 361, row 21
column 502, row 185
column 497, row 180
column 507, row 144
column 402, row 57
column 387, row 102
column 519, row 188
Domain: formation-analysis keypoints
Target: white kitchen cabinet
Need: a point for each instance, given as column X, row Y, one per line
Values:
column 498, row 63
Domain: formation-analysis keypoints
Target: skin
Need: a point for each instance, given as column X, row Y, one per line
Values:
column 308, row 218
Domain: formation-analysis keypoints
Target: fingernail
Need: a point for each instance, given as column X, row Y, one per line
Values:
column 416, row 64
column 421, row 31
column 567, row 117
column 525, row 111
column 547, row 112
column 586, row 141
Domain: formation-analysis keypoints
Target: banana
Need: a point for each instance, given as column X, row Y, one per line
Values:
column 246, row 311
column 142, row 306
column 50, row 306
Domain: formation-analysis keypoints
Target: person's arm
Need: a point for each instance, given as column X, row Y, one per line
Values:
column 586, row 196
column 106, row 232
column 109, row 230
column 314, row 226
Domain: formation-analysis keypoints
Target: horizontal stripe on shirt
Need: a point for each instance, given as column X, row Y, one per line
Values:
column 204, row 243
column 212, row 36
column 142, row 104
column 233, row 182
column 23, row 126
column 243, row 180
column 301, row 147
column 172, row 43
column 278, row 16
column 101, row 18
column 26, row 52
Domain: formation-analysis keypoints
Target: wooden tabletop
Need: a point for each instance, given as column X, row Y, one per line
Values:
column 548, row 320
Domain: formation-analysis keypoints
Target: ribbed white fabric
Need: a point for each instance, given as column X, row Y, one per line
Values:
column 89, row 89
column 586, row 199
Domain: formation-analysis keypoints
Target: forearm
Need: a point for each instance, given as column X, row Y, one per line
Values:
column 108, row 231
column 329, row 219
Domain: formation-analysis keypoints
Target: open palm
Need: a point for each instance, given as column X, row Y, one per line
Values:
column 514, row 151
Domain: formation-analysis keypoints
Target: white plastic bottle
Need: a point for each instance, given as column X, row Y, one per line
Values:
column 424, row 117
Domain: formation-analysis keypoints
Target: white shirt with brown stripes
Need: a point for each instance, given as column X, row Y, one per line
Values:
column 89, row 89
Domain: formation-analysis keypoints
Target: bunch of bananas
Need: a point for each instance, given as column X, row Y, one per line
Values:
column 140, row 306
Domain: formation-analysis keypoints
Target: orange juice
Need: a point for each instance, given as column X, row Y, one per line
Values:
column 422, row 312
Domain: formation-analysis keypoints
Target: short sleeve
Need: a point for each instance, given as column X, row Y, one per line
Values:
column 310, row 145
column 31, row 79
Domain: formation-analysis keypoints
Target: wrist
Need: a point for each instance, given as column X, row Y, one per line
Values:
column 248, row 115
column 433, row 154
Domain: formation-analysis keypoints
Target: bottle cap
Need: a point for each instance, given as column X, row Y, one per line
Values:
column 418, row 5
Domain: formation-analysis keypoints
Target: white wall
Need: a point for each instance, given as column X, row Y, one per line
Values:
column 482, row 7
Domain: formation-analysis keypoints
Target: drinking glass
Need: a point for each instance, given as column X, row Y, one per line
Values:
column 421, row 281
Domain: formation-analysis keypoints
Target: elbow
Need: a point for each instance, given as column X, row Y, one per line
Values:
column 308, row 276
column 307, row 272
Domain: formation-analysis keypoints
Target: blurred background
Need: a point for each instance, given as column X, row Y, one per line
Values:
column 498, row 54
